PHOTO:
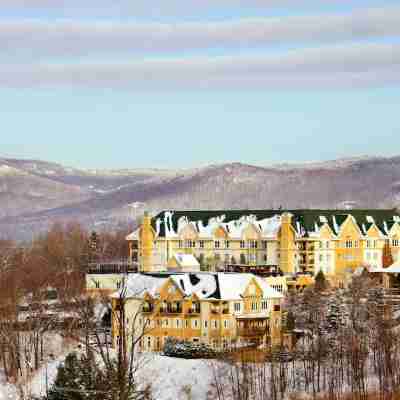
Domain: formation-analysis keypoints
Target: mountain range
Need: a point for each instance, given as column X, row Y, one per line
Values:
column 34, row 194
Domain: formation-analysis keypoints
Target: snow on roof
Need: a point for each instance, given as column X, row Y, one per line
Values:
column 134, row 235
column 137, row 285
column 232, row 286
column 370, row 219
column 393, row 269
column 205, row 285
column 186, row 260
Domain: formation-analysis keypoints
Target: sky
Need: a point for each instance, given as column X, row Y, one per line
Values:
column 185, row 83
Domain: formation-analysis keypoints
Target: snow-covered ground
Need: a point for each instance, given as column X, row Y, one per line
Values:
column 170, row 378
column 173, row 378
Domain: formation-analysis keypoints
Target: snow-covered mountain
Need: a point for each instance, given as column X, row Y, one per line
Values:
column 33, row 194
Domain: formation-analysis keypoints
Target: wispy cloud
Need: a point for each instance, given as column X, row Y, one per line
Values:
column 37, row 38
column 344, row 66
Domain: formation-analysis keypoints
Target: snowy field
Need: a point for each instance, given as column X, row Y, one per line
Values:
column 170, row 378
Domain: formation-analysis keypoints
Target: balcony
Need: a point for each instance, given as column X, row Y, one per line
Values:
column 252, row 332
column 193, row 311
column 148, row 308
column 171, row 311
column 171, row 308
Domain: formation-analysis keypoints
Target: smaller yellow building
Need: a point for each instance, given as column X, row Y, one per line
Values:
column 217, row 309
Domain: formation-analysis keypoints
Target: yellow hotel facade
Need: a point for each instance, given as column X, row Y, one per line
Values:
column 291, row 241
column 219, row 310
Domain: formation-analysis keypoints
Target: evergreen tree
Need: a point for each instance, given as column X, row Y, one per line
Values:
column 80, row 378
column 290, row 321
column 320, row 282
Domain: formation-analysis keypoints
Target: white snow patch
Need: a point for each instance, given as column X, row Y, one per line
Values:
column 173, row 378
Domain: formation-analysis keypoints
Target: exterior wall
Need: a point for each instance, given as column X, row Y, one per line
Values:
column 325, row 254
column 103, row 283
column 324, row 251
column 147, row 236
column 215, row 323
column 394, row 242
column 349, row 258
column 287, row 245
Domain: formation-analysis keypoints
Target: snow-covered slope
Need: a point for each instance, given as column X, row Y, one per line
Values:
column 50, row 192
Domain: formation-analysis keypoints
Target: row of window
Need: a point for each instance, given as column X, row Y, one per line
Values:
column 254, row 244
column 97, row 284
column 325, row 257
column 218, row 244
column 178, row 323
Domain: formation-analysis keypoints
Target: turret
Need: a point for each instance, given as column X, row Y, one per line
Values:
column 146, row 243
column 276, row 325
column 287, row 244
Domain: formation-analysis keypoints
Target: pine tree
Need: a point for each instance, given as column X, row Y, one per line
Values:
column 290, row 321
column 320, row 282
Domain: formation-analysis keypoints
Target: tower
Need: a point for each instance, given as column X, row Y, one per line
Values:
column 287, row 244
column 146, row 244
column 276, row 325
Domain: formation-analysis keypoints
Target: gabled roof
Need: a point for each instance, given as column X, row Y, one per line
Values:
column 306, row 222
column 204, row 285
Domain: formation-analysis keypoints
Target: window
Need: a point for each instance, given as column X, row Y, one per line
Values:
column 217, row 244
column 190, row 243
column 178, row 323
column 187, row 323
column 226, row 324
column 237, row 307
column 264, row 244
column 395, row 242
column 320, row 245
column 205, row 324
column 321, row 258
column 356, row 244
column 180, row 244
column 201, row 244
column 264, row 304
column 227, row 244
column 368, row 244
column 242, row 244
column 349, row 244
column 375, row 244
column 119, row 283
column 327, row 245
column 215, row 324
column 265, row 258
column 253, row 244
column 254, row 306
column 97, row 284
column 195, row 324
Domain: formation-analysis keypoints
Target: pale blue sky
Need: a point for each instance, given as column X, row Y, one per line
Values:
column 198, row 82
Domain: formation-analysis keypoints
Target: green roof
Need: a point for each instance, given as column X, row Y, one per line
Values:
column 307, row 218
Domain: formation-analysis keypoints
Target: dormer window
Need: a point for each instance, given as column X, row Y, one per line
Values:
column 217, row 244
column 242, row 244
